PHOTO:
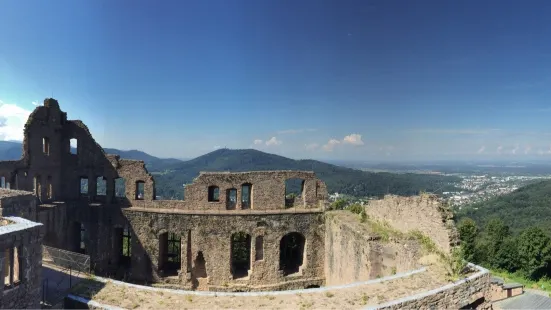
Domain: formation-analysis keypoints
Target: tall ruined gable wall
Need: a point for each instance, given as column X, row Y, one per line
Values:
column 425, row 213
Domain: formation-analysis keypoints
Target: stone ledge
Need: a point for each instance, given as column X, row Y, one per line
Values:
column 226, row 212
column 6, row 193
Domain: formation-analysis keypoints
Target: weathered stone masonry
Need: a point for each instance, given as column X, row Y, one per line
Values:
column 232, row 231
column 425, row 213
column 20, row 263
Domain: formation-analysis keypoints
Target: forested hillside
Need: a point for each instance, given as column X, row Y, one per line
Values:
column 510, row 233
column 528, row 206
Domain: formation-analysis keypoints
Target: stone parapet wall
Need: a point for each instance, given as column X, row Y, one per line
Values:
column 425, row 213
column 17, row 203
column 355, row 254
column 473, row 290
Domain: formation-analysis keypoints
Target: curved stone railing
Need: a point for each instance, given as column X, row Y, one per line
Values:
column 265, row 293
column 453, row 295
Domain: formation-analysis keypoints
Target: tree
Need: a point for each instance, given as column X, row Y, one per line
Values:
column 496, row 232
column 339, row 204
column 534, row 252
column 507, row 256
column 468, row 233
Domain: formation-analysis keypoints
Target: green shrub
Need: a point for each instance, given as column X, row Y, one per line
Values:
column 356, row 208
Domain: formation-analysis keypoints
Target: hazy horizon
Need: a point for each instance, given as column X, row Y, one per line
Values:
column 350, row 80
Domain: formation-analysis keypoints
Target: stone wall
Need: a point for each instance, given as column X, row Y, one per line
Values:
column 17, row 203
column 24, row 238
column 211, row 235
column 471, row 292
column 354, row 253
column 268, row 189
column 425, row 213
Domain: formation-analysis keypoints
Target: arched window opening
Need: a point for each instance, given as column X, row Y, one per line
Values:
column 214, row 194
column 101, row 186
column 140, row 190
column 8, row 185
column 294, row 192
column 291, row 253
column 2, row 182
column 120, row 187
column 246, row 194
column 169, row 253
column 231, row 199
column 73, row 146
column 240, row 255
column 259, row 248
column 46, row 146
column 83, row 186
column 200, row 268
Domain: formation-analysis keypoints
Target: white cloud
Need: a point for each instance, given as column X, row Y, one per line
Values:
column 35, row 103
column 295, row 131
column 499, row 149
column 481, row 149
column 257, row 141
column 527, row 149
column 12, row 121
column 354, row 139
column 331, row 144
column 311, row 146
column 515, row 150
column 216, row 147
column 273, row 141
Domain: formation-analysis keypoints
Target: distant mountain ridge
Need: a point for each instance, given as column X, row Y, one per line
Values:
column 171, row 174
column 338, row 179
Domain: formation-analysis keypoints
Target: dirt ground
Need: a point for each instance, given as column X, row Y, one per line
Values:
column 350, row 298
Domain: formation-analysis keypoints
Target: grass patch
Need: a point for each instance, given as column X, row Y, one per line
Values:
column 358, row 209
column 427, row 243
column 543, row 284
column 385, row 230
column 364, row 299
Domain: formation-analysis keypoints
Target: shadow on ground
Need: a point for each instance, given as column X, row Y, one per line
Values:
column 57, row 283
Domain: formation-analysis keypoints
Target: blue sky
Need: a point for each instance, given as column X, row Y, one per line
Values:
column 373, row 80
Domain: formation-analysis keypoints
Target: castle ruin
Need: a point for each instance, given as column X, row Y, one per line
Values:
column 233, row 232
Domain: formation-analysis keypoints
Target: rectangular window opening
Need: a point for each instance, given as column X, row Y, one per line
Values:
column 73, row 145
column 101, row 186
column 259, row 248
column 83, row 186
column 12, row 268
column 120, row 188
column 140, row 190
column 46, row 146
